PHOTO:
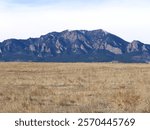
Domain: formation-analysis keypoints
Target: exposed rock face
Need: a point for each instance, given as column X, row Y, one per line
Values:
column 137, row 46
column 75, row 46
column 112, row 49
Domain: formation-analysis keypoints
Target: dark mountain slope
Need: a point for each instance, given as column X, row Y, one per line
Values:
column 75, row 46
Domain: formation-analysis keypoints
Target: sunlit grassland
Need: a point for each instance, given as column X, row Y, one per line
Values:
column 74, row 87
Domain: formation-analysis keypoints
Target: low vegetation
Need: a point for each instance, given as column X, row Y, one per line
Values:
column 74, row 87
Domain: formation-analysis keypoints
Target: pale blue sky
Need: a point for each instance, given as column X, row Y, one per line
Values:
column 128, row 19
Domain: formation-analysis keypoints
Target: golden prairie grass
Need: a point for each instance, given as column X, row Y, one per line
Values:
column 74, row 87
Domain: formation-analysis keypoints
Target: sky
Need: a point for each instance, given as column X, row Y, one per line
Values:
column 128, row 19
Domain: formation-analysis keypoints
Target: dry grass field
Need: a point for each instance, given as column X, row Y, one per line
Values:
column 74, row 87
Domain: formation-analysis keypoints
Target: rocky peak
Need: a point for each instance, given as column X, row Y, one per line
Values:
column 136, row 46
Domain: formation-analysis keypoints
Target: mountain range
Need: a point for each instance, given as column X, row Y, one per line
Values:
column 75, row 46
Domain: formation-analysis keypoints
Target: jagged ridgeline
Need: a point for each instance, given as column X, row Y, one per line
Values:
column 75, row 46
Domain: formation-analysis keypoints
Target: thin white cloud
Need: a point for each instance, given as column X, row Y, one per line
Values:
column 126, row 18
